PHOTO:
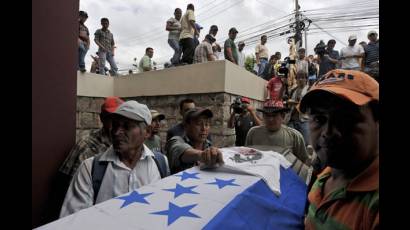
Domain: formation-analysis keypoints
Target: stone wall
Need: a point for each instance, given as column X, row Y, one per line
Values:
column 88, row 109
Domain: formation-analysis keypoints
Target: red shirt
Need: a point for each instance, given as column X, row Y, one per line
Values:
column 275, row 88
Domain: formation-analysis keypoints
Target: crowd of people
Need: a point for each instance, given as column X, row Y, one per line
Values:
column 341, row 109
column 183, row 38
column 328, row 119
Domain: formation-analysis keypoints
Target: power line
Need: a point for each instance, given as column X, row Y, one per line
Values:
column 153, row 37
column 320, row 17
column 159, row 28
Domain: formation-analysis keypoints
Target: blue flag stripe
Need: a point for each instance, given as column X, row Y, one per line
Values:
column 259, row 208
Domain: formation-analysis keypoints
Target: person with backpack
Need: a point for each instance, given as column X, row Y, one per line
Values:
column 124, row 167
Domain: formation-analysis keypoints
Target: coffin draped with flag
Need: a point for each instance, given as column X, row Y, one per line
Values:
column 253, row 190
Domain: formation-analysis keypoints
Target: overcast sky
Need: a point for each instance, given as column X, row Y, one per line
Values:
column 137, row 24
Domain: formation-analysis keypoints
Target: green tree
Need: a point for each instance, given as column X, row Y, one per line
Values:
column 250, row 61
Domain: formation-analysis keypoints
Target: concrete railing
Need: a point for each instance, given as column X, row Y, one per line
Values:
column 212, row 77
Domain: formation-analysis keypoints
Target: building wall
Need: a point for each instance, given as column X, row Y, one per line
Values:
column 88, row 109
column 213, row 85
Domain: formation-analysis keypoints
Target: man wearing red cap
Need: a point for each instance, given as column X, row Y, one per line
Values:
column 243, row 120
column 95, row 142
column 344, row 126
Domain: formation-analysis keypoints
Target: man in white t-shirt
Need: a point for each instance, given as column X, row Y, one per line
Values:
column 262, row 55
column 241, row 54
column 174, row 28
column 351, row 54
column 186, row 38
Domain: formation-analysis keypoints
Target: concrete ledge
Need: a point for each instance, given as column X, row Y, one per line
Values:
column 198, row 78
column 94, row 85
column 212, row 77
column 241, row 82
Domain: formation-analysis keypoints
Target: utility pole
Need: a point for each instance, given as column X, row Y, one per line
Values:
column 298, row 34
column 306, row 41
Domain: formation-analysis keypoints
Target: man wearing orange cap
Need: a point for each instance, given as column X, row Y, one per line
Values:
column 242, row 120
column 344, row 127
column 95, row 142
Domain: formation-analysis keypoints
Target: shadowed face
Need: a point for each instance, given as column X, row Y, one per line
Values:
column 178, row 14
column 150, row 53
column 186, row 107
column 155, row 125
column 127, row 135
column 273, row 121
column 342, row 133
column 264, row 39
column 352, row 42
column 198, row 129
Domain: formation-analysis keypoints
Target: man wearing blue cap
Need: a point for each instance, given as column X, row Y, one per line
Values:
column 196, row 37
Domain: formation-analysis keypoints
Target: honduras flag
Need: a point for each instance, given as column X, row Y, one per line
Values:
column 223, row 198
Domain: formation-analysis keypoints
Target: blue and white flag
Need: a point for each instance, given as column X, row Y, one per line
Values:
column 200, row 199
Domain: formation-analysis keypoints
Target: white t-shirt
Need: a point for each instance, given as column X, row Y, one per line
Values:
column 351, row 63
column 262, row 50
column 174, row 34
column 241, row 58
column 187, row 30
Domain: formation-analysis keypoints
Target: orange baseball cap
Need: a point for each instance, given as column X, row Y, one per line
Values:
column 353, row 85
column 111, row 104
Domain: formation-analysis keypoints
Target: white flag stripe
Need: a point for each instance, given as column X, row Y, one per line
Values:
column 210, row 200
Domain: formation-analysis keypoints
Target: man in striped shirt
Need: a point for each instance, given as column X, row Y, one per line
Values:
column 371, row 58
column 344, row 125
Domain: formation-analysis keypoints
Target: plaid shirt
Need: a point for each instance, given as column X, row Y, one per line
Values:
column 202, row 51
column 354, row 206
column 88, row 146
column 105, row 38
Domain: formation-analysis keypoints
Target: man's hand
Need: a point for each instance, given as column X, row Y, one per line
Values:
column 249, row 108
column 256, row 118
column 212, row 157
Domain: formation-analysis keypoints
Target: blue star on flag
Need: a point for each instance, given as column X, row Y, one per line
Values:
column 179, row 190
column 222, row 183
column 134, row 197
column 174, row 212
column 187, row 175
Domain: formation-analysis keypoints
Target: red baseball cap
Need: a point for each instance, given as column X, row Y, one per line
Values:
column 111, row 104
column 245, row 100
column 273, row 106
